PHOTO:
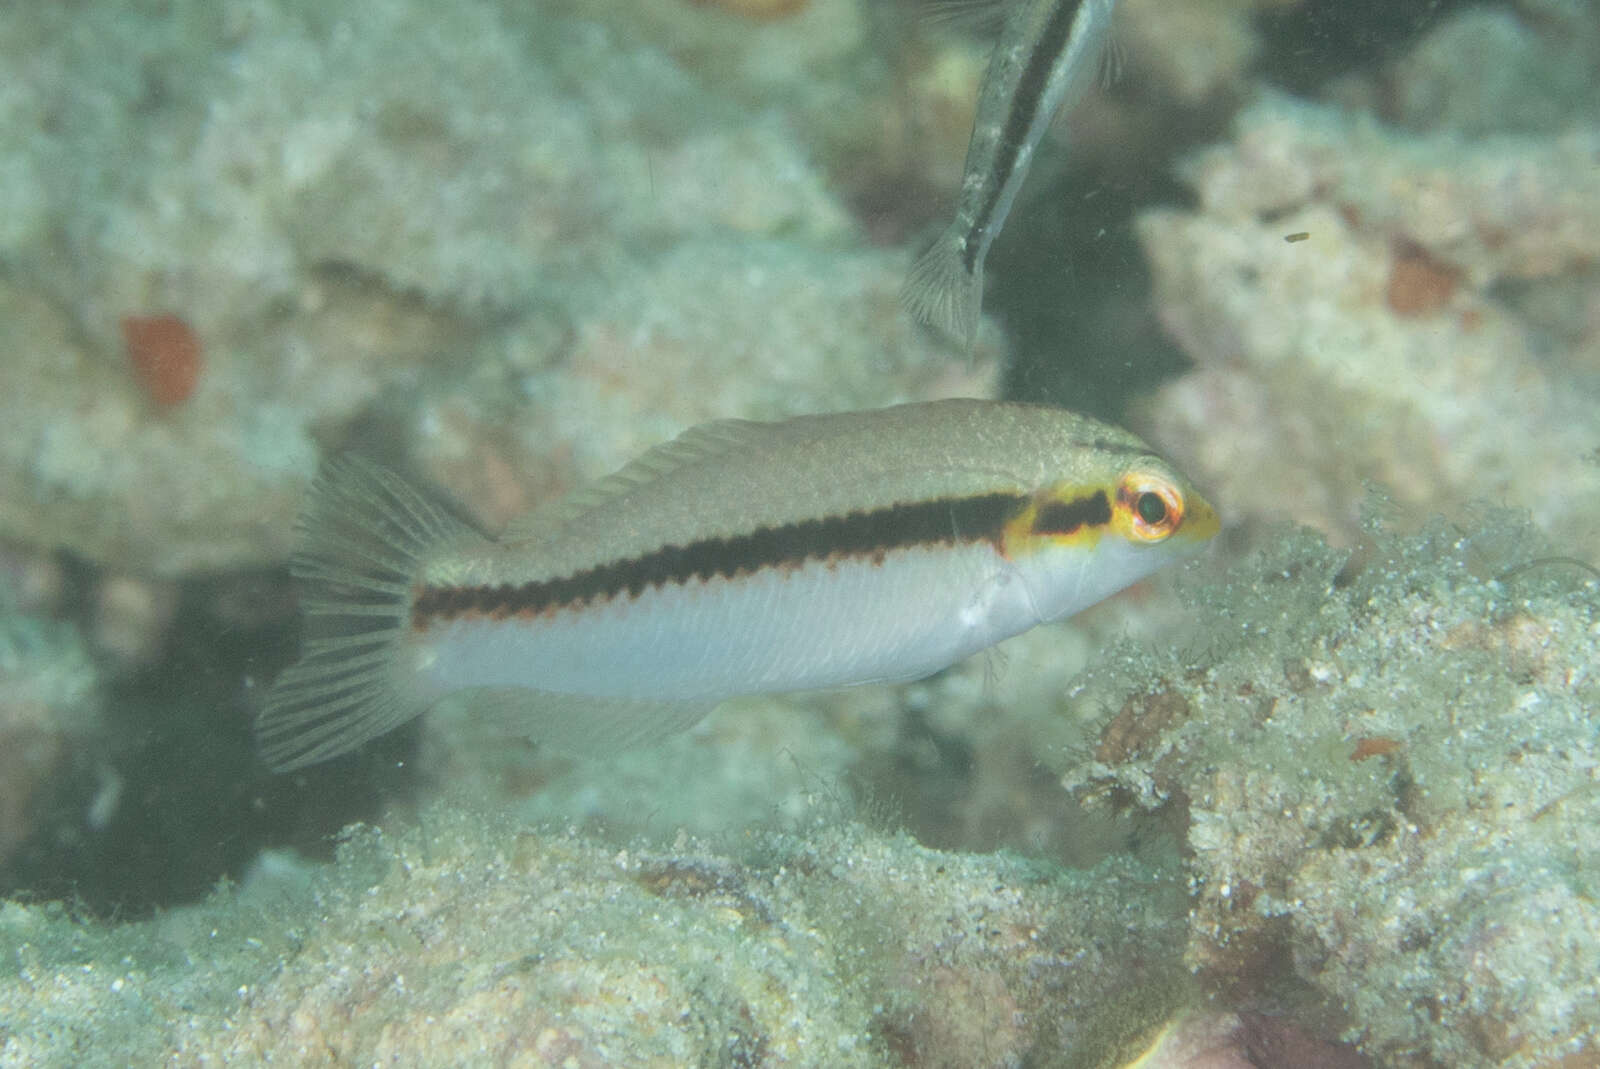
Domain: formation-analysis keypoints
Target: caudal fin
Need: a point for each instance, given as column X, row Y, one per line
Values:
column 364, row 532
column 943, row 292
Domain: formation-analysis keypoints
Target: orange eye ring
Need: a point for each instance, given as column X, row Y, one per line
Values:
column 1153, row 506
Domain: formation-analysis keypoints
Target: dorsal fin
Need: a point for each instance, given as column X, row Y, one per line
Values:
column 701, row 442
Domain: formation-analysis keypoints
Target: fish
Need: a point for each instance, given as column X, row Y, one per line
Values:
column 740, row 558
column 1048, row 53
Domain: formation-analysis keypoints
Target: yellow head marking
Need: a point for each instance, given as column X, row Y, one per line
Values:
column 1060, row 515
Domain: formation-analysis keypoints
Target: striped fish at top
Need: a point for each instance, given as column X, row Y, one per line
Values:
column 740, row 558
column 1047, row 55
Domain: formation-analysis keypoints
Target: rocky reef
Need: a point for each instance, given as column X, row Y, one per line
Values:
column 1358, row 797
column 1382, row 766
column 509, row 221
column 1407, row 302
column 512, row 252
column 471, row 940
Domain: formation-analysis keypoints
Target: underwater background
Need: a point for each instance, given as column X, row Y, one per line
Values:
column 1326, row 796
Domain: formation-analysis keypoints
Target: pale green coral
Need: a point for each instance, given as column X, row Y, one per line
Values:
column 51, row 710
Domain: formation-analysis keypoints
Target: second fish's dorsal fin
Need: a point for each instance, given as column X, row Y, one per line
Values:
column 701, row 442
column 982, row 18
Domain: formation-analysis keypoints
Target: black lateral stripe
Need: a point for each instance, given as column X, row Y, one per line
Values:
column 867, row 533
column 1024, row 103
column 1065, row 517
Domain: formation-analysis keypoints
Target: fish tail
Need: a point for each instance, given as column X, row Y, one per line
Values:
column 1113, row 62
column 944, row 292
column 364, row 533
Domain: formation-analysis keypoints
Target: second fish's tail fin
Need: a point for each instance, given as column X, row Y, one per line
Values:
column 944, row 292
column 364, row 534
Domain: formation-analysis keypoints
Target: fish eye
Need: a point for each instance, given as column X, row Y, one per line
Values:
column 1150, row 507
column 1153, row 505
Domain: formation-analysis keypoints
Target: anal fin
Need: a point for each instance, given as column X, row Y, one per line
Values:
column 578, row 724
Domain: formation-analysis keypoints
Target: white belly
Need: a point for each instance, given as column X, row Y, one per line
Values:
column 814, row 625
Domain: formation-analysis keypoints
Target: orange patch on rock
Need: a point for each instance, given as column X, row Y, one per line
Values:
column 1419, row 285
column 1139, row 724
column 165, row 355
column 1370, row 746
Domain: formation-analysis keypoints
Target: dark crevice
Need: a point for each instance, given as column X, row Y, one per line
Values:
column 196, row 804
column 1305, row 46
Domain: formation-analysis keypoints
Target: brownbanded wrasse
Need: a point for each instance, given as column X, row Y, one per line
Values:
column 740, row 558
